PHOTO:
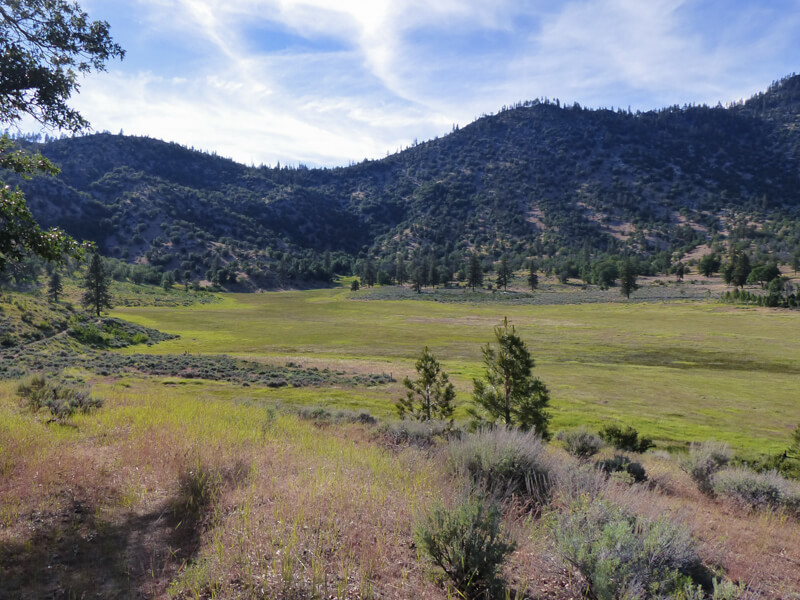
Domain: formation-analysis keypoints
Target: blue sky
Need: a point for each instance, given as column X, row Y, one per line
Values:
column 326, row 83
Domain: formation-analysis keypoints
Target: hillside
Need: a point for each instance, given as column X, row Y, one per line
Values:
column 560, row 183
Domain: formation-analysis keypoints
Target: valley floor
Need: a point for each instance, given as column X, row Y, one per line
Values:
column 187, row 487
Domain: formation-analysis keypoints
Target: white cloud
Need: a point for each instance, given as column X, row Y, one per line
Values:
column 376, row 74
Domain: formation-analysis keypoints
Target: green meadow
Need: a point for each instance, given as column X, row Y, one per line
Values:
column 677, row 371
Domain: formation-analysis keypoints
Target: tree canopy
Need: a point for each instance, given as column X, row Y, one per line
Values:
column 44, row 46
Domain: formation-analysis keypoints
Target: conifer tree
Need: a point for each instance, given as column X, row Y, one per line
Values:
column 54, row 287
column 504, row 273
column 96, row 296
column 475, row 272
column 533, row 278
column 627, row 278
column 432, row 395
column 509, row 393
column 44, row 47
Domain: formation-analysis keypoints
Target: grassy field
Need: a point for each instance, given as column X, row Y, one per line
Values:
column 190, row 488
column 677, row 371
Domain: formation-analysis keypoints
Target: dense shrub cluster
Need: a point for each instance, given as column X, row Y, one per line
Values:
column 774, row 299
column 116, row 333
column 423, row 434
column 63, row 401
column 622, row 464
column 625, row 439
column 213, row 367
column 756, row 491
column 622, row 555
column 323, row 416
column 504, row 463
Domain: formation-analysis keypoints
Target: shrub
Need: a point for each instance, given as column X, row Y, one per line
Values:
column 622, row 555
column 576, row 481
column 755, row 491
column 62, row 401
column 580, row 442
column 625, row 439
column 705, row 459
column 322, row 416
column 89, row 335
column 505, row 462
column 622, row 464
column 467, row 543
column 424, row 434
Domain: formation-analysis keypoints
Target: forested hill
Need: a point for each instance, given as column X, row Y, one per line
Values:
column 560, row 183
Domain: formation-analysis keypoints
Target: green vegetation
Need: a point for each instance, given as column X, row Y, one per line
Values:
column 622, row 555
column 469, row 545
column 45, row 47
column 510, row 394
column 603, row 362
column 625, row 439
column 580, row 442
column 505, row 464
column 96, row 296
column 431, row 395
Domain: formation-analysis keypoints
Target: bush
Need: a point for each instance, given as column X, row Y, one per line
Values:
column 424, row 434
column 622, row 464
column 576, row 481
column 322, row 416
column 580, row 442
column 505, row 462
column 89, row 335
column 468, row 545
column 705, row 459
column 62, row 401
column 756, row 491
column 625, row 439
column 622, row 555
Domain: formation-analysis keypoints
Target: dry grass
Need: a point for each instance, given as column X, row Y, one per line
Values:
column 166, row 495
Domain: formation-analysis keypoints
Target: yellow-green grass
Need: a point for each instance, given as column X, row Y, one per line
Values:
column 676, row 371
column 296, row 504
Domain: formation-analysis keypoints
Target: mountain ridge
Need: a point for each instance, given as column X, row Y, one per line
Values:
column 538, row 179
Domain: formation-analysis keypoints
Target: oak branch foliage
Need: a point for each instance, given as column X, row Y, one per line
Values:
column 44, row 46
column 432, row 395
column 509, row 394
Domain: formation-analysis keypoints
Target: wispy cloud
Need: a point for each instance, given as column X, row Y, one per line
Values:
column 324, row 83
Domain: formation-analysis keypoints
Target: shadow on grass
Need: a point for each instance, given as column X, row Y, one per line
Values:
column 73, row 554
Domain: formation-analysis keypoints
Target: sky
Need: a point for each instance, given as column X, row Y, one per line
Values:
column 327, row 83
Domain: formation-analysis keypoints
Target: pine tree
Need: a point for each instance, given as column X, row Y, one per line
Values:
column 533, row 278
column 418, row 276
column 680, row 271
column 370, row 275
column 432, row 395
column 475, row 272
column 54, row 287
column 45, row 45
column 400, row 273
column 504, row 273
column 432, row 272
column 509, row 393
column 96, row 296
column 627, row 278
